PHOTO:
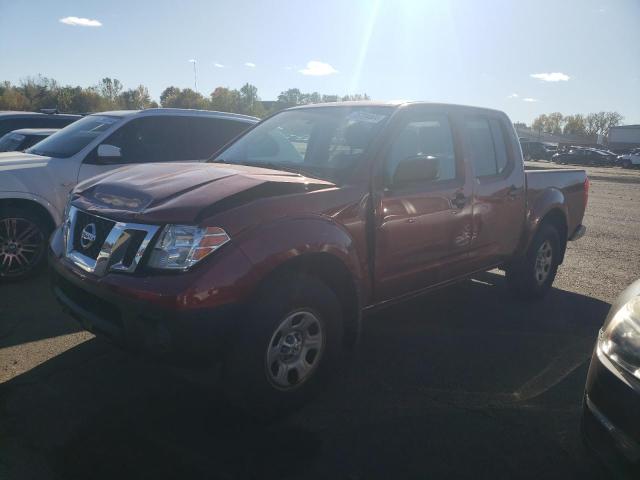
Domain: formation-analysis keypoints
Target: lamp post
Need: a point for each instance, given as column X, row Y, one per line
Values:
column 195, row 74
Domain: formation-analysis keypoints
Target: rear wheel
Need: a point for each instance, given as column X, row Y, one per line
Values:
column 288, row 349
column 531, row 277
column 23, row 237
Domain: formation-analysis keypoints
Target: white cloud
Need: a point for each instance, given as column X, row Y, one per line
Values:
column 288, row 67
column 530, row 100
column 551, row 77
column 513, row 95
column 192, row 60
column 80, row 22
column 317, row 68
column 250, row 64
column 218, row 65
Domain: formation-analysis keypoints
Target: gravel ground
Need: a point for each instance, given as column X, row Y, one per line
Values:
column 441, row 388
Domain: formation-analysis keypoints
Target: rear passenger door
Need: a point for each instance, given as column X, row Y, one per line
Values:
column 499, row 189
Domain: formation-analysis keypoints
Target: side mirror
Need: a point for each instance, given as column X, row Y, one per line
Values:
column 420, row 168
column 109, row 153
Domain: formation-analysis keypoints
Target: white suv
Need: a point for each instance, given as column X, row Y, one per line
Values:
column 34, row 185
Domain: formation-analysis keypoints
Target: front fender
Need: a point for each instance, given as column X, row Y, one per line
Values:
column 270, row 246
column 546, row 201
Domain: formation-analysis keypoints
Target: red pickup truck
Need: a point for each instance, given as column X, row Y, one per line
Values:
column 267, row 256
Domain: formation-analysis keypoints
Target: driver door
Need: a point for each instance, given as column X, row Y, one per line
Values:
column 424, row 223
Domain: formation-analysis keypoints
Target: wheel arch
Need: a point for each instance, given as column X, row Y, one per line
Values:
column 45, row 211
column 334, row 273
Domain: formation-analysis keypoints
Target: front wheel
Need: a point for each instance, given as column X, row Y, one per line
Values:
column 23, row 236
column 531, row 277
column 289, row 346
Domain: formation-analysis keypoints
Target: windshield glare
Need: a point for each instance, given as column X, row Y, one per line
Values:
column 326, row 143
column 73, row 138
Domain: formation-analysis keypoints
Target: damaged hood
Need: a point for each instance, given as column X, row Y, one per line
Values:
column 184, row 192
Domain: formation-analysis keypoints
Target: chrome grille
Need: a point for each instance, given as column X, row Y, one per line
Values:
column 99, row 245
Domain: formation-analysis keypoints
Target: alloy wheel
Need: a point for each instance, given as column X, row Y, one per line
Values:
column 21, row 246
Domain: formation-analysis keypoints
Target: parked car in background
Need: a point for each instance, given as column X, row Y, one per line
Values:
column 611, row 413
column 21, row 139
column 532, row 150
column 34, row 185
column 10, row 121
column 584, row 156
column 629, row 160
column 266, row 257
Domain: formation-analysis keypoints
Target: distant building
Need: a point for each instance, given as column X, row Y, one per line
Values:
column 624, row 138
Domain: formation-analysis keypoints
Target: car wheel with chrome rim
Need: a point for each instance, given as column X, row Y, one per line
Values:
column 23, row 236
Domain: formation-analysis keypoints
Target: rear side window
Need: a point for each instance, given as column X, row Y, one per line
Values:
column 487, row 144
column 210, row 134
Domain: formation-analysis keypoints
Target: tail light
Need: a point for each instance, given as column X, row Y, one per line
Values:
column 586, row 191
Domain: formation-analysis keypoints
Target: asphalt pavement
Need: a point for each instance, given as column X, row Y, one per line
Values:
column 463, row 383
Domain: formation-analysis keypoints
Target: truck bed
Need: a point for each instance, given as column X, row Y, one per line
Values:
column 571, row 183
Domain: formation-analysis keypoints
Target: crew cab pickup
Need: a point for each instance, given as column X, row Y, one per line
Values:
column 264, row 259
column 34, row 185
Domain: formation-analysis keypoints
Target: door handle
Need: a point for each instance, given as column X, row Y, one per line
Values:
column 459, row 200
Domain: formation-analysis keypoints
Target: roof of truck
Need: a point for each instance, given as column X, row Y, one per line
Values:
column 15, row 113
column 179, row 112
column 393, row 104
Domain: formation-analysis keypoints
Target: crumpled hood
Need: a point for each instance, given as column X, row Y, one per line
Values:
column 184, row 192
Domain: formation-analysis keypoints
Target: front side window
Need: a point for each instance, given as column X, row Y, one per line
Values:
column 425, row 146
column 326, row 143
column 11, row 142
column 73, row 138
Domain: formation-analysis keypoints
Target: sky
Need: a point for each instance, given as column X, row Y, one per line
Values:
column 524, row 57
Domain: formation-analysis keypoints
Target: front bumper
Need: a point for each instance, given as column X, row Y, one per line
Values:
column 611, row 417
column 182, row 317
column 578, row 233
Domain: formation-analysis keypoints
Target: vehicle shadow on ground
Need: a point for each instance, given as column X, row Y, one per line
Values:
column 28, row 312
column 430, row 394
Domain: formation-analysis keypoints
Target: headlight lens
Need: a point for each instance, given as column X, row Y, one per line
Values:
column 182, row 246
column 620, row 339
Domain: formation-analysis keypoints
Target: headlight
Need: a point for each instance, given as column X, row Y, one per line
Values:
column 182, row 246
column 620, row 338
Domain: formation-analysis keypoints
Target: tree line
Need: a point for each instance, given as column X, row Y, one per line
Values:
column 578, row 124
column 35, row 93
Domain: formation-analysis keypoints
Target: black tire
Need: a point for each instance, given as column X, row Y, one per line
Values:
column 523, row 277
column 23, row 242
column 626, row 164
column 246, row 380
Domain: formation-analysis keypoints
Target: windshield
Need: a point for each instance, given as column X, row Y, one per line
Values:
column 73, row 138
column 11, row 141
column 325, row 143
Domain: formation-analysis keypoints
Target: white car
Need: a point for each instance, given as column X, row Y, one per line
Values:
column 35, row 184
column 631, row 159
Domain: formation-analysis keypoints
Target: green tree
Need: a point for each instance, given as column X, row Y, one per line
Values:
column 574, row 124
column 224, row 99
column 554, row 123
column 110, row 89
column 135, row 99
column 539, row 123
column 174, row 97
